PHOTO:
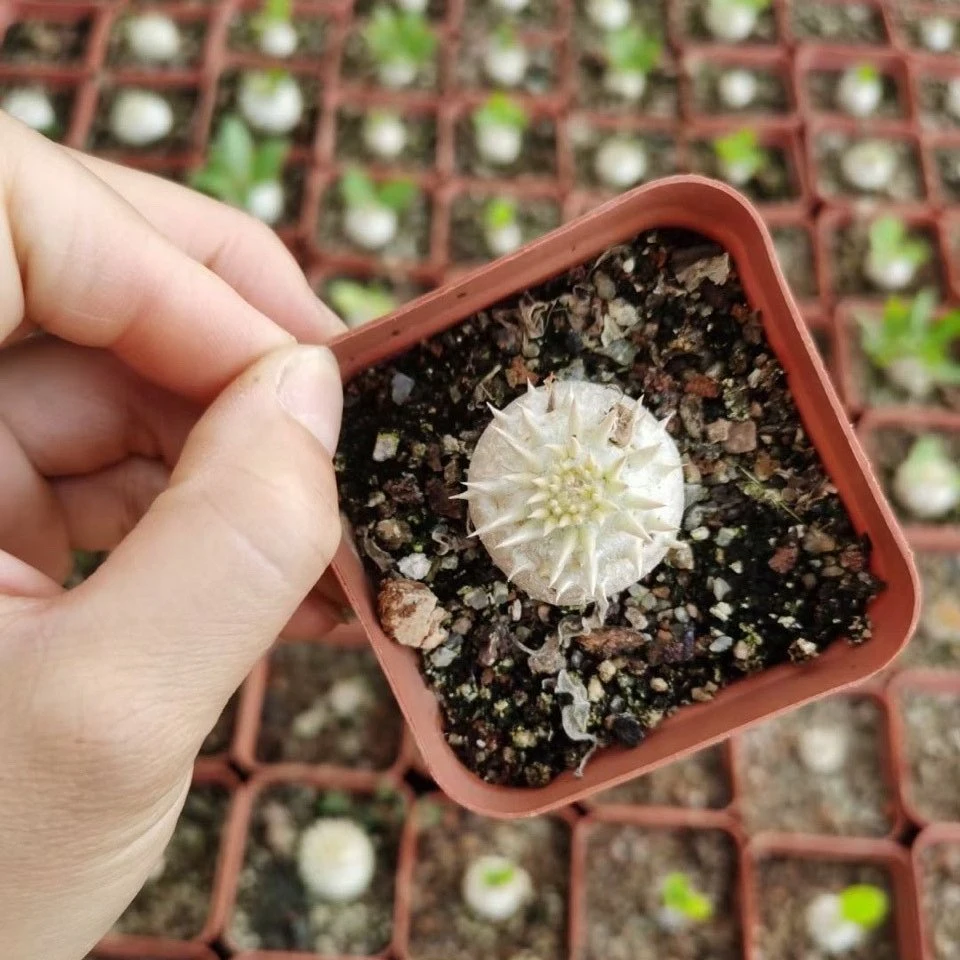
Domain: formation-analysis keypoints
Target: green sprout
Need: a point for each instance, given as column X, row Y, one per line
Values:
column 505, row 37
column 866, row 73
column 358, row 303
column 908, row 333
column 758, row 5
column 358, row 190
column 236, row 163
column 890, row 241
column 740, row 151
column 633, row 50
column 865, row 905
column 499, row 213
column 681, row 896
column 500, row 875
column 500, row 110
column 272, row 11
column 396, row 36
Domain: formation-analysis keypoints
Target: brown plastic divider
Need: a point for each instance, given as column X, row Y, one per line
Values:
column 878, row 7
column 936, row 835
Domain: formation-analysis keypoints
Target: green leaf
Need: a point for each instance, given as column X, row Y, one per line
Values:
column 398, row 195
column 505, row 36
column 499, row 876
column 866, row 72
column 219, row 184
column 741, row 149
column 501, row 110
column 499, row 213
column 358, row 303
column 357, row 189
column 633, row 50
column 399, row 35
column 268, row 161
column 333, row 803
column 944, row 331
column 921, row 313
column 885, row 235
column 678, row 894
column 233, row 147
column 865, row 905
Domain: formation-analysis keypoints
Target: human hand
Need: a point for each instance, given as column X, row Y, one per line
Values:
column 156, row 307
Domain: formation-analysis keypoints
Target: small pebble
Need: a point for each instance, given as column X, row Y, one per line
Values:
column 659, row 685
column 725, row 536
column 476, row 599
column 595, row 690
column 606, row 670
column 737, row 566
column 741, row 650
column 401, row 388
column 386, row 446
column 701, row 533
column 742, row 437
column 681, row 557
column 722, row 610
column 720, row 588
column 721, row 644
column 605, row 287
column 516, row 610
column 415, row 566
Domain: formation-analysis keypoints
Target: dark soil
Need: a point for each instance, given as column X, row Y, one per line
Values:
column 621, row 920
column 948, row 170
column 785, row 887
column 933, row 99
column 419, row 153
column 467, row 242
column 294, row 182
column 302, row 134
column 62, row 99
column 661, row 151
column 939, row 891
column 57, row 42
column 771, row 96
column 838, row 23
column 542, row 73
column 274, row 911
column 176, row 903
column 311, row 35
column 795, row 254
column 764, row 528
column 193, row 33
column 937, row 640
column 436, row 9
column 304, row 718
column 184, row 102
column 778, row 791
column 538, row 157
column 441, row 924
column 774, row 183
column 539, row 14
column 219, row 738
column 359, row 67
column 932, row 725
column 905, row 186
column 661, row 97
column 695, row 29
column 700, row 782
column 822, row 86
column 889, row 448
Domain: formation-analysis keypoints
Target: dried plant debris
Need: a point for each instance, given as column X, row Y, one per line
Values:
column 767, row 567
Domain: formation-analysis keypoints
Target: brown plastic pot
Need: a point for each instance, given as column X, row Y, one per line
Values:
column 938, row 835
column 721, row 214
column 877, row 7
column 921, row 536
column 927, row 67
column 143, row 949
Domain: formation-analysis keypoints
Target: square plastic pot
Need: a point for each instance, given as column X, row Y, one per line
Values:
column 937, row 145
column 904, row 18
column 876, row 10
column 938, row 835
column 142, row 949
column 723, row 215
column 811, row 305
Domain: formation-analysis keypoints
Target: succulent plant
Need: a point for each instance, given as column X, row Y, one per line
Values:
column 153, row 38
column 927, row 482
column 401, row 42
column 32, row 106
column 499, row 125
column 737, row 88
column 336, row 859
column 273, row 26
column 501, row 228
column 495, row 887
column 740, row 156
column 682, row 905
column 609, row 15
column 384, row 133
column 631, row 54
column 840, row 922
column 359, row 303
column 860, row 90
column 823, row 749
column 621, row 162
column 937, row 33
column 869, row 165
column 139, row 118
column 733, row 20
column 576, row 491
column 372, row 210
column 893, row 255
column 271, row 101
column 506, row 59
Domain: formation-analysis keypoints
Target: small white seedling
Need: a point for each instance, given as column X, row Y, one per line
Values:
column 271, row 101
column 32, row 106
column 609, row 15
column 372, row 210
column 401, row 43
column 359, row 303
column 348, row 696
column 336, row 860
column 139, row 118
column 495, row 888
column 501, row 227
column 838, row 923
column 951, row 99
column 937, row 34
column 505, row 58
column 511, row 6
column 682, row 905
column 630, row 54
column 384, row 134
column 740, row 156
column 941, row 618
column 498, row 128
column 860, row 90
column 153, row 38
column 737, row 88
column 823, row 750
column 869, row 165
column 620, row 162
column 274, row 29
column 927, row 483
column 893, row 256
column 733, row 20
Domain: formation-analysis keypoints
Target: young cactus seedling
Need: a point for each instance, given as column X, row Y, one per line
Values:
column 860, row 90
column 609, row 15
column 937, row 34
column 838, row 923
column 271, row 101
column 498, row 128
column 153, row 38
column 359, row 303
column 927, row 483
column 505, row 58
column 336, row 860
column 630, row 54
column 869, row 165
column 733, row 20
column 274, row 29
column 32, row 106
column 495, row 888
column 620, row 162
column 501, row 228
column 576, row 491
column 893, row 256
column 823, row 750
column 401, row 43
column 912, row 349
column 139, row 118
column 682, row 905
column 243, row 173
column 740, row 156
column 372, row 210
column 737, row 88
column 511, row 6
column 384, row 134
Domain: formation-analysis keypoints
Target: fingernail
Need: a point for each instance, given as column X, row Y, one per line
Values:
column 309, row 390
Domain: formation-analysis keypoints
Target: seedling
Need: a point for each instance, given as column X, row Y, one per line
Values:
column 359, row 303
column 840, row 923
column 927, row 483
column 869, row 165
column 911, row 348
column 506, row 59
column 32, row 106
column 609, row 15
column 893, row 256
column 683, row 906
column 740, row 156
column 511, row 6
column 139, row 118
column 951, row 100
column 384, row 134
column 336, row 859
column 271, row 101
column 401, row 43
column 495, row 888
column 501, row 228
column 274, row 29
column 823, row 750
column 631, row 54
column 941, row 618
column 243, row 173
column 153, row 38
column 498, row 127
column 372, row 210
column 737, row 88
column 937, row 34
column 733, row 20
column 860, row 90
column 620, row 162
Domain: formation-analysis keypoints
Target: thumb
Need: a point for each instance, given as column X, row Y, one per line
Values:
column 208, row 578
